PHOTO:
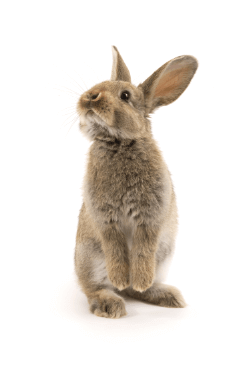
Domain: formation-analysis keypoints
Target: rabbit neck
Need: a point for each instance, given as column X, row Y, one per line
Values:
column 113, row 143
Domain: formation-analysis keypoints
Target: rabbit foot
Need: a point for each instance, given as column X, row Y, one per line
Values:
column 107, row 304
column 169, row 296
column 160, row 294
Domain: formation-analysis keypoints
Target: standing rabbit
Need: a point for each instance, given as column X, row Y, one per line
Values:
column 128, row 221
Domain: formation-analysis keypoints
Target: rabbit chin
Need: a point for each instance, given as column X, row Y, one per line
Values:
column 93, row 126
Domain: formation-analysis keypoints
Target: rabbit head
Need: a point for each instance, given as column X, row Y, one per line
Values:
column 118, row 109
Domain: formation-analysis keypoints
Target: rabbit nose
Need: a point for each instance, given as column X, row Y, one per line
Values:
column 95, row 96
column 92, row 96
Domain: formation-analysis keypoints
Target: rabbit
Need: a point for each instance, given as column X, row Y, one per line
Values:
column 128, row 220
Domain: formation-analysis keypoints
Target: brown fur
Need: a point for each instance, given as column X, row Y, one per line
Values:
column 128, row 220
column 105, row 303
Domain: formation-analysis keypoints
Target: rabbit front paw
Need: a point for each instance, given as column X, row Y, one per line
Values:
column 142, row 275
column 119, row 277
column 142, row 281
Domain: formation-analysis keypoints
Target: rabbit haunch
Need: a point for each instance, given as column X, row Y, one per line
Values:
column 128, row 221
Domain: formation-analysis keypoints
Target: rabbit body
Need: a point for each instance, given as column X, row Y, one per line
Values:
column 128, row 221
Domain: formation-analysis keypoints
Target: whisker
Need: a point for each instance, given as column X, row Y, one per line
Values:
column 69, row 94
column 70, row 107
column 82, row 89
column 69, row 90
column 71, row 121
column 81, row 80
column 67, row 121
column 69, row 110
column 72, row 125
column 68, row 117
column 94, row 73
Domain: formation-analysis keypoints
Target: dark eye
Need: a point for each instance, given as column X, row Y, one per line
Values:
column 125, row 95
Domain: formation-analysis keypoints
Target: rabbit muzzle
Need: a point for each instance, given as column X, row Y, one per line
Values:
column 92, row 96
column 98, row 102
column 89, row 99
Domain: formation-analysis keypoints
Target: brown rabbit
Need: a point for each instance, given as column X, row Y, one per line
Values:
column 128, row 221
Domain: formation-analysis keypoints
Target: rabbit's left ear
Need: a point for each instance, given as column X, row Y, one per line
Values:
column 167, row 83
column 120, row 71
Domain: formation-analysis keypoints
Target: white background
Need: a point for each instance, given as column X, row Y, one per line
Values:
column 49, row 47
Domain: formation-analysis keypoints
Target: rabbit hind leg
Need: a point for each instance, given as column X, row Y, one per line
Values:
column 160, row 294
column 93, row 279
column 106, row 303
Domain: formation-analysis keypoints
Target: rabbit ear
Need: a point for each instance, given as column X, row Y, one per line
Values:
column 167, row 83
column 120, row 71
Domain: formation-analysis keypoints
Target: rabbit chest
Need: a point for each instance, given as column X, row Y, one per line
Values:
column 127, row 183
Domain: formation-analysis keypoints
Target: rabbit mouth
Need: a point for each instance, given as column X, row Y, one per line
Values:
column 89, row 114
column 92, row 117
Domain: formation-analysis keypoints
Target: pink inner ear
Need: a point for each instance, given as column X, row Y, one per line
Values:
column 171, row 81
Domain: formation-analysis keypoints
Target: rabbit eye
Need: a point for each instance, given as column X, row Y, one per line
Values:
column 125, row 95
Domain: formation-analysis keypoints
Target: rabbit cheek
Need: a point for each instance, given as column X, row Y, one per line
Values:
column 124, row 122
column 117, row 118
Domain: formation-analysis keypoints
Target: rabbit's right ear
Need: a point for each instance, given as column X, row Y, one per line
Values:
column 167, row 83
column 120, row 71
